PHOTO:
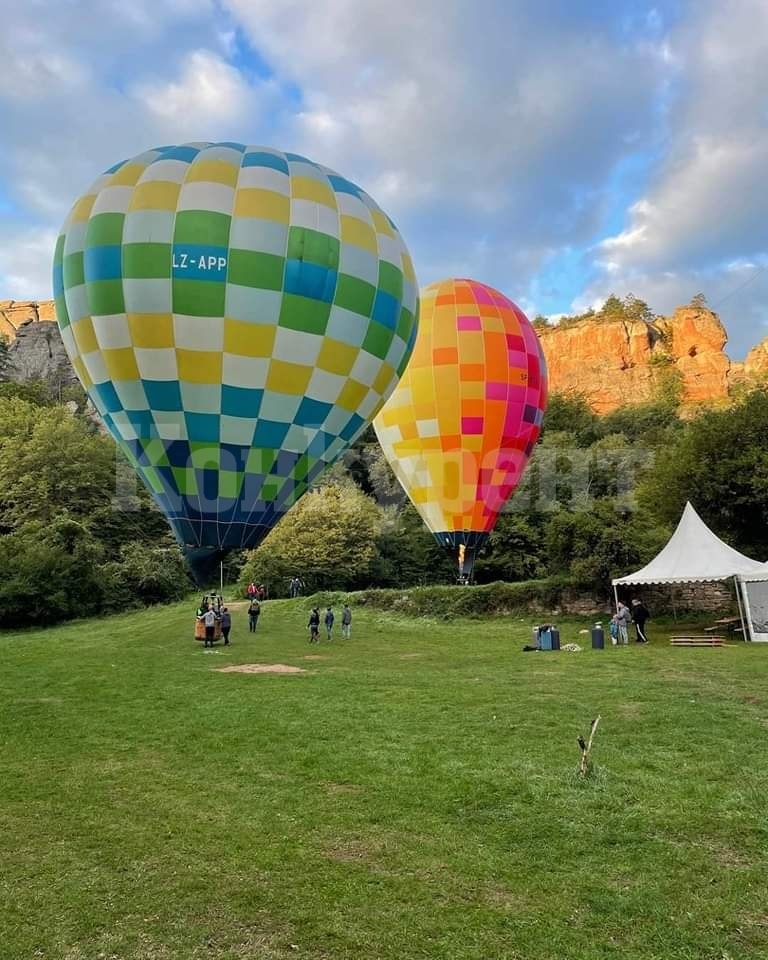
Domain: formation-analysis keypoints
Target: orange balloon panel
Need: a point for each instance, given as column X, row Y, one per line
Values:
column 461, row 424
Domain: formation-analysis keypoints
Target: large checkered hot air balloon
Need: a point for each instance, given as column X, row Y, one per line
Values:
column 461, row 424
column 237, row 315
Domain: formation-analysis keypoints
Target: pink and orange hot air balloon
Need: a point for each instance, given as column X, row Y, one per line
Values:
column 461, row 424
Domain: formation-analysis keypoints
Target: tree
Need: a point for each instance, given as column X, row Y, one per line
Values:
column 718, row 461
column 328, row 539
column 51, row 462
column 699, row 301
column 51, row 572
column 145, row 575
column 515, row 550
column 5, row 358
column 570, row 413
column 646, row 424
column 407, row 553
column 594, row 545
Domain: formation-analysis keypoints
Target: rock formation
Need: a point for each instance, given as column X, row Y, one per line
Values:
column 610, row 362
column 756, row 363
column 16, row 313
column 36, row 351
column 618, row 362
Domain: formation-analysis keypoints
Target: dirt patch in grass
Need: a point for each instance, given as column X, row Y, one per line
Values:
column 342, row 788
column 630, row 709
column 353, row 851
column 409, row 656
column 503, row 899
column 316, row 656
column 260, row 668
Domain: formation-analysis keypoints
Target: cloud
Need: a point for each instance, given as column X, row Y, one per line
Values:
column 26, row 263
column 72, row 103
column 208, row 96
column 705, row 205
column 493, row 120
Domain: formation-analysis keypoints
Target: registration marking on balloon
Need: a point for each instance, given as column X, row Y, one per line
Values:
column 204, row 263
column 237, row 315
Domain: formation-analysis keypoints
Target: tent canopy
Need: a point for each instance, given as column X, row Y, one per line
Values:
column 694, row 554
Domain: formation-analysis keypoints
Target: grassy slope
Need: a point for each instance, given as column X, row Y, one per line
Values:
column 413, row 795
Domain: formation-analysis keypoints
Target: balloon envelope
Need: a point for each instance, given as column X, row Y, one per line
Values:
column 462, row 422
column 237, row 315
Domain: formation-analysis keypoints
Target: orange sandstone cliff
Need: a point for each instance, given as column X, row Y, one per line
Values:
column 618, row 362
column 610, row 362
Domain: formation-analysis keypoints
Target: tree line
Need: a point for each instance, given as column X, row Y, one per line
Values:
column 601, row 496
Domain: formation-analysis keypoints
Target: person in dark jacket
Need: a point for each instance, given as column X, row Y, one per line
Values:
column 640, row 615
column 329, row 618
column 314, row 626
column 226, row 625
column 346, row 622
column 254, row 612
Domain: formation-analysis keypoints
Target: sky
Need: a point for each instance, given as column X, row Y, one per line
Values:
column 558, row 151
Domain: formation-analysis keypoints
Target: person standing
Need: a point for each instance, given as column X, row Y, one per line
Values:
column 314, row 626
column 640, row 615
column 226, row 625
column 251, row 591
column 209, row 619
column 346, row 622
column 625, row 618
column 254, row 612
column 329, row 618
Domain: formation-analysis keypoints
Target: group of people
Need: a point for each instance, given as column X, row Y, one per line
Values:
column 623, row 617
column 330, row 618
column 216, row 620
column 295, row 587
column 256, row 593
column 212, row 614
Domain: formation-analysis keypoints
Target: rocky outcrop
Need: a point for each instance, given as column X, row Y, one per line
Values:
column 17, row 313
column 610, row 362
column 756, row 364
column 618, row 362
column 37, row 353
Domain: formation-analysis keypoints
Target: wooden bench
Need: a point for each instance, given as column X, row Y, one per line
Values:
column 729, row 624
column 697, row 641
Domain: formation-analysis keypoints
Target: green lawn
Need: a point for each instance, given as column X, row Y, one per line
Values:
column 412, row 795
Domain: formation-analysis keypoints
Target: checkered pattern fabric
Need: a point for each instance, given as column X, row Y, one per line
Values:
column 237, row 315
column 461, row 424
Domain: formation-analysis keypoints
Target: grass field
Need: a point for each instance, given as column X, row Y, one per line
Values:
column 412, row 795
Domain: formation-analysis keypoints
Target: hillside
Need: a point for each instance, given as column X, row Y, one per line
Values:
column 611, row 362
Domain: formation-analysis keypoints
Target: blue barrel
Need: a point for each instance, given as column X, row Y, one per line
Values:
column 598, row 637
column 555, row 638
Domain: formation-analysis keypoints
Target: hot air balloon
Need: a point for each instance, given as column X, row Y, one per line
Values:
column 463, row 420
column 237, row 316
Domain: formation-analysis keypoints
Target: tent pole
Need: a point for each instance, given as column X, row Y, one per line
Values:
column 674, row 608
column 737, row 584
column 616, row 597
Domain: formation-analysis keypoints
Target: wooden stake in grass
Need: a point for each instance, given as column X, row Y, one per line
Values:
column 586, row 748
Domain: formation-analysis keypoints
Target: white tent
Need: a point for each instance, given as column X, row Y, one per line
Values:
column 694, row 554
